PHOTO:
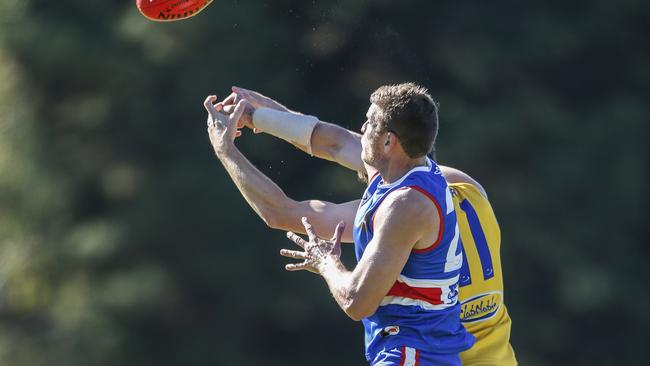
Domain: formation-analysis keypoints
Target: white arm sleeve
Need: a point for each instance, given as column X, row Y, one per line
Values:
column 292, row 127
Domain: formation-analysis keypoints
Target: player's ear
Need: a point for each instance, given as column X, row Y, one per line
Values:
column 389, row 136
column 390, row 139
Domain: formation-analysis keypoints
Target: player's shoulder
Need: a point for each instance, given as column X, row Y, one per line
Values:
column 405, row 215
column 459, row 179
column 410, row 203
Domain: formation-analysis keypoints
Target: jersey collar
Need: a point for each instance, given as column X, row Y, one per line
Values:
column 420, row 168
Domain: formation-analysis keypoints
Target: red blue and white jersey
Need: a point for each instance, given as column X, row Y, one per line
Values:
column 421, row 310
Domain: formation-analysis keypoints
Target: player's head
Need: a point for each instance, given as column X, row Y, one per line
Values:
column 403, row 112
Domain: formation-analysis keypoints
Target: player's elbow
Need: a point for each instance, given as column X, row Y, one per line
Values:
column 358, row 310
column 355, row 315
column 269, row 219
column 272, row 219
column 275, row 217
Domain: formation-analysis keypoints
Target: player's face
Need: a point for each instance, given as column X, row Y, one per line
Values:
column 371, row 147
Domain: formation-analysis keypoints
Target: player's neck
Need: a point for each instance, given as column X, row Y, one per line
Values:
column 396, row 169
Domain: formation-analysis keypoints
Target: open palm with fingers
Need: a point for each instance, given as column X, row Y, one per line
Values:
column 316, row 252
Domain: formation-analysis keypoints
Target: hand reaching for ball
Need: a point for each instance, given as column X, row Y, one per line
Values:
column 246, row 119
column 223, row 127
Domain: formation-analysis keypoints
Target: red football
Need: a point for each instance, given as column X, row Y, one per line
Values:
column 170, row 10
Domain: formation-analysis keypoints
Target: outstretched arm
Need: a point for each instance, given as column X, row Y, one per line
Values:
column 330, row 141
column 262, row 194
column 326, row 141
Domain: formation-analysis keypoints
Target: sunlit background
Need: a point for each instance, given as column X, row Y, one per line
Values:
column 123, row 241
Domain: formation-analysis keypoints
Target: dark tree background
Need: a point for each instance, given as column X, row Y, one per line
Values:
column 123, row 241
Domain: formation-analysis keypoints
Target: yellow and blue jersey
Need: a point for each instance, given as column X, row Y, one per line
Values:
column 483, row 312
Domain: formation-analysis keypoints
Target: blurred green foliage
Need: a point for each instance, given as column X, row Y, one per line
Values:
column 122, row 240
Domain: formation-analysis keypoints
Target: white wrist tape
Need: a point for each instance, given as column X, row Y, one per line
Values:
column 292, row 127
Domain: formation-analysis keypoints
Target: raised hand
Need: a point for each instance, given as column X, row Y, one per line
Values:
column 316, row 252
column 229, row 104
column 222, row 127
column 255, row 100
column 258, row 100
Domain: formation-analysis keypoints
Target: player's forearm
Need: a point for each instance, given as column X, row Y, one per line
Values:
column 315, row 137
column 335, row 143
column 344, row 286
column 261, row 193
column 338, row 280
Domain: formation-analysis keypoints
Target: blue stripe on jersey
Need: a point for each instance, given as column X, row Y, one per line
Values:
column 479, row 239
column 465, row 276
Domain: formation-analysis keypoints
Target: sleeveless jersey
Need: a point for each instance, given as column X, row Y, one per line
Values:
column 421, row 310
column 483, row 312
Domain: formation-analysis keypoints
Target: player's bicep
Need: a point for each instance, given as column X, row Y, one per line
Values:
column 324, row 216
column 396, row 232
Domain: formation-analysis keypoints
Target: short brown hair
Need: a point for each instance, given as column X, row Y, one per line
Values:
column 408, row 111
